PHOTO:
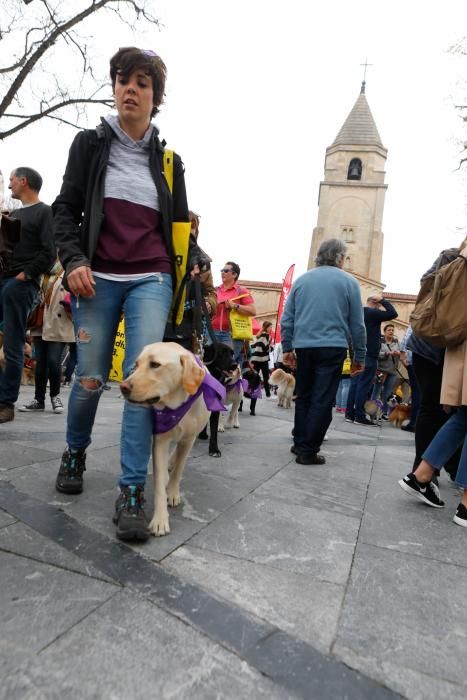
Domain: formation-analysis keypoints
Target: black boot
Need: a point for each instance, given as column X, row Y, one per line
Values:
column 70, row 475
column 130, row 517
column 252, row 407
column 240, row 408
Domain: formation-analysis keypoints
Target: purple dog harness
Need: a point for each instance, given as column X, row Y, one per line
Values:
column 214, row 396
column 253, row 393
column 239, row 384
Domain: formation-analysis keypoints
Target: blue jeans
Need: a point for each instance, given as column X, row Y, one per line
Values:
column 17, row 300
column 317, row 377
column 224, row 337
column 447, row 440
column 48, row 356
column 145, row 304
column 343, row 392
column 360, row 388
column 236, row 345
column 385, row 389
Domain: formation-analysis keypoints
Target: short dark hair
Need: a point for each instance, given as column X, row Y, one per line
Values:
column 31, row 176
column 129, row 59
column 388, row 325
column 235, row 268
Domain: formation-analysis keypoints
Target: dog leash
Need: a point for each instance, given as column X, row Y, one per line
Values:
column 200, row 309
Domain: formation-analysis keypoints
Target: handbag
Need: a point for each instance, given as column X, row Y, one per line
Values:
column 241, row 325
column 36, row 317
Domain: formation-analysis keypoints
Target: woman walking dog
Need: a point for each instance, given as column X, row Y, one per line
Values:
column 113, row 227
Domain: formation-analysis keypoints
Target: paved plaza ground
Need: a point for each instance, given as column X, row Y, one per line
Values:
column 276, row 581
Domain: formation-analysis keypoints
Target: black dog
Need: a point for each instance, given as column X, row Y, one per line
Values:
column 220, row 363
column 254, row 382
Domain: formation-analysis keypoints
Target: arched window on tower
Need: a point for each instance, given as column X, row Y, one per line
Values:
column 348, row 234
column 348, row 263
column 355, row 169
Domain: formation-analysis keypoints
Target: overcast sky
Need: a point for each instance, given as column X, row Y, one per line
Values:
column 257, row 89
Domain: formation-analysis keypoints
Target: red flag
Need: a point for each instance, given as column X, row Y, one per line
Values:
column 286, row 285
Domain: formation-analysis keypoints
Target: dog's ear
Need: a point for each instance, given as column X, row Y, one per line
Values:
column 193, row 374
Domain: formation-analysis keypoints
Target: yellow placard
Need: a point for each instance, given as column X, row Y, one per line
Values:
column 116, row 371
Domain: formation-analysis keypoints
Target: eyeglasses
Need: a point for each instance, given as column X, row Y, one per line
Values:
column 226, row 269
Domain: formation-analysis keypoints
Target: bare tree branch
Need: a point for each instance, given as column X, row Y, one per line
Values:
column 30, row 119
column 27, row 50
column 37, row 40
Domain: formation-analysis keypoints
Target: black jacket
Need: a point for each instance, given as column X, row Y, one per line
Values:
column 35, row 253
column 373, row 319
column 78, row 209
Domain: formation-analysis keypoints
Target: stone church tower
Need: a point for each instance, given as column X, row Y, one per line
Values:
column 351, row 204
column 351, row 196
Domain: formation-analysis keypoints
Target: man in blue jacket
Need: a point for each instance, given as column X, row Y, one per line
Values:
column 360, row 387
column 323, row 311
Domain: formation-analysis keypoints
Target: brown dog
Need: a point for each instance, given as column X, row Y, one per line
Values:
column 29, row 367
column 400, row 414
column 165, row 376
column 285, row 387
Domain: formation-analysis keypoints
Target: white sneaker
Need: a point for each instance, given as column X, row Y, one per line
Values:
column 326, row 438
column 57, row 406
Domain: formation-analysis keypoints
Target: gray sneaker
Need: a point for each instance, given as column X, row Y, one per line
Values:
column 33, row 405
column 57, row 406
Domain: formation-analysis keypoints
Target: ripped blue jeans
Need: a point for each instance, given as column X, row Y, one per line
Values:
column 145, row 304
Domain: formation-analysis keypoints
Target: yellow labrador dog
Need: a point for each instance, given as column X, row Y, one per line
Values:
column 234, row 398
column 285, row 387
column 165, row 376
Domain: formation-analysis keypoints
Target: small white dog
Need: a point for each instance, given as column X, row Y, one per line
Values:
column 285, row 387
column 234, row 397
column 165, row 376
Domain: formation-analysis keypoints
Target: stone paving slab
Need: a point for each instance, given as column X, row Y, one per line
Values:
column 301, row 605
column 5, row 519
column 316, row 486
column 138, row 647
column 303, row 540
column 410, row 526
column 38, row 602
column 425, row 616
column 303, row 560
column 289, row 662
column 16, row 454
column 24, row 541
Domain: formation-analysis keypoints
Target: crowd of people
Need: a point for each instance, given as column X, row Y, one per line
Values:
column 120, row 249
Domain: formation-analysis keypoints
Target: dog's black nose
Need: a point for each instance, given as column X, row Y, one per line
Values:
column 125, row 388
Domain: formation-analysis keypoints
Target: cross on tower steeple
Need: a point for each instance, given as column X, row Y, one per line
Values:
column 366, row 64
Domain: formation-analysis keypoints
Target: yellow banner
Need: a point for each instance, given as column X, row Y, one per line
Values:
column 116, row 371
